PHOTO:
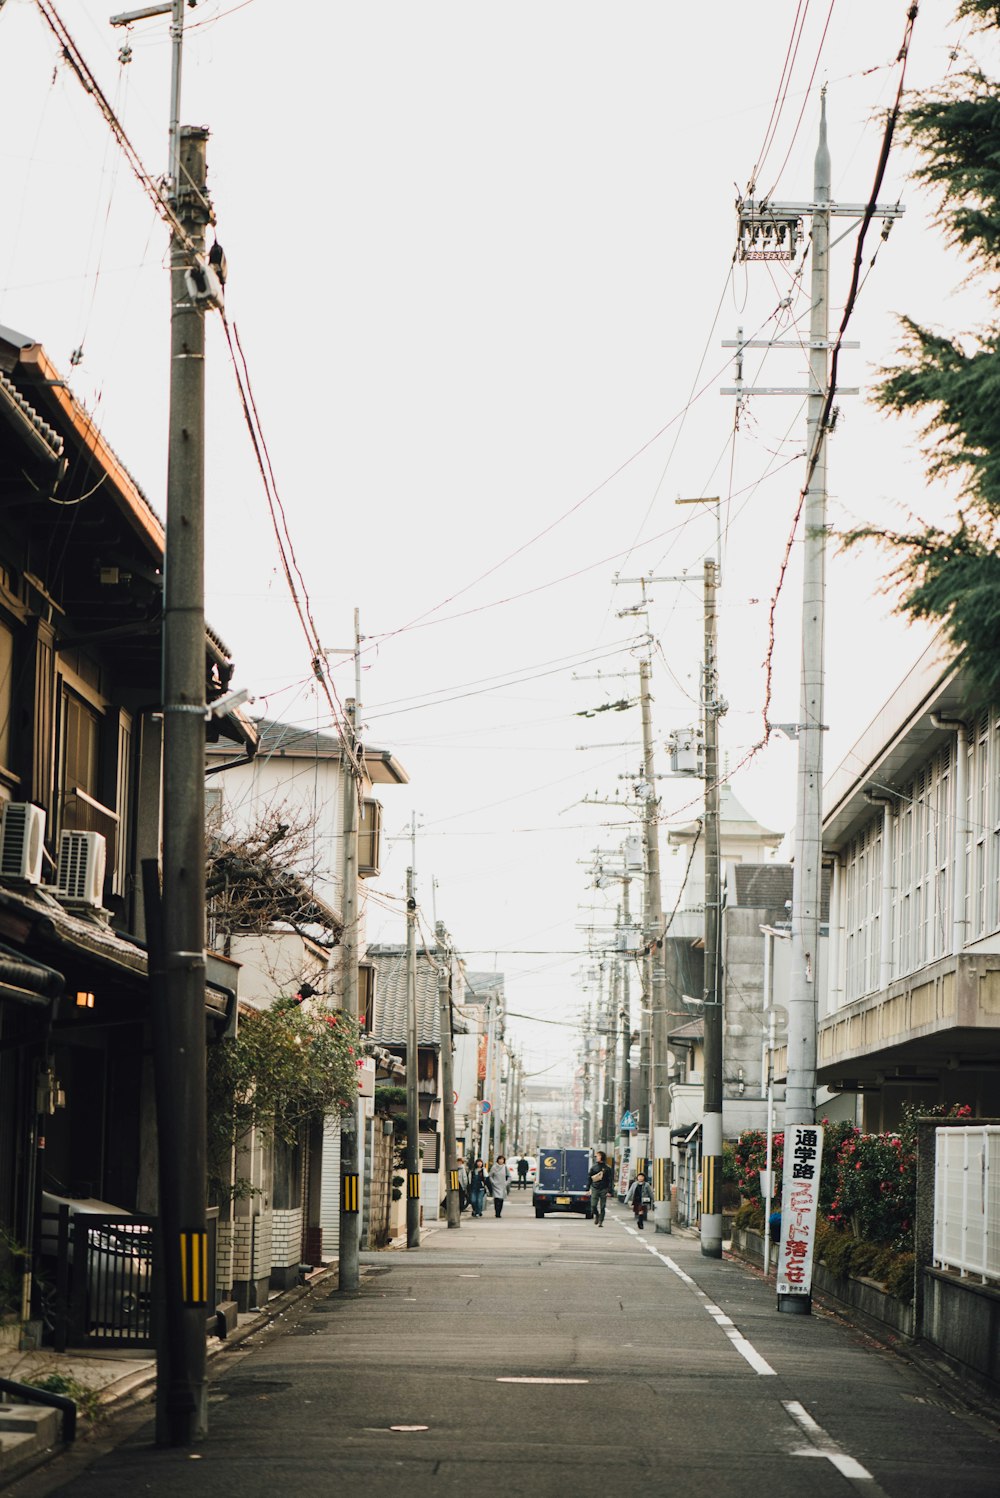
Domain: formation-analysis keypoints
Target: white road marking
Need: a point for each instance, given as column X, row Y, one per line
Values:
column 543, row 1380
column 823, row 1445
column 743, row 1347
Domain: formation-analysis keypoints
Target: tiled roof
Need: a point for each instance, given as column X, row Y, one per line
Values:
column 389, row 1027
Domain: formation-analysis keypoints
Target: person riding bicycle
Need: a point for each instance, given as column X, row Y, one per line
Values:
column 601, row 1178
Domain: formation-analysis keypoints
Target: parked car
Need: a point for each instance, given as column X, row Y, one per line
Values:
column 119, row 1258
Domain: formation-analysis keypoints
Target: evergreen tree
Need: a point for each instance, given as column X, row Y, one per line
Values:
column 952, row 574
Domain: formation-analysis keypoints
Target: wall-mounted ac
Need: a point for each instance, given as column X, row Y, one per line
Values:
column 80, row 871
column 22, row 841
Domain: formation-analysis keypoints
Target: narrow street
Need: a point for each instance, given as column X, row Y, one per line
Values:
column 553, row 1358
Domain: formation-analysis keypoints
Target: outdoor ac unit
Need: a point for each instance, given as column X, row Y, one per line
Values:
column 22, row 841
column 80, row 873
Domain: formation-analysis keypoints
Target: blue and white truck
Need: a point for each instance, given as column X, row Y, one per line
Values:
column 562, row 1183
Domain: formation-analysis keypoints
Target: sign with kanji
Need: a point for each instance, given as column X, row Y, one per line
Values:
column 799, row 1199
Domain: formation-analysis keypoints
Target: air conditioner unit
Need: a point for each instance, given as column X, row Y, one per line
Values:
column 80, row 871
column 22, row 841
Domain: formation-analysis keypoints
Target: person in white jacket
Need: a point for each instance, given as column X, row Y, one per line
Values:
column 499, row 1186
column 640, row 1197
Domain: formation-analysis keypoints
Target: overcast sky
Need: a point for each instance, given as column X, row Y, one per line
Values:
column 480, row 261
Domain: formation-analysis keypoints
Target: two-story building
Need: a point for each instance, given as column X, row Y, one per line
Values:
column 911, row 1010
column 297, row 777
column 81, row 557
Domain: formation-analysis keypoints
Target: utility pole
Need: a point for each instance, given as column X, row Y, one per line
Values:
column 612, row 1012
column 653, row 975
column 349, row 1249
column 181, row 1415
column 711, row 1128
column 626, row 1003
column 653, row 918
column 412, row 1096
column 489, row 1082
column 454, row 1205
column 175, row 905
column 770, row 230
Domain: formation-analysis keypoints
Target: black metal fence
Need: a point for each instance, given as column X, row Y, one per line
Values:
column 103, row 1269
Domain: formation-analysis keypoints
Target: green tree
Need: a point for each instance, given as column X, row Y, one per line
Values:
column 951, row 574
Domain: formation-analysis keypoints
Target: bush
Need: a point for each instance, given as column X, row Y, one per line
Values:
column 899, row 1279
column 86, row 1398
column 749, row 1215
column 289, row 1064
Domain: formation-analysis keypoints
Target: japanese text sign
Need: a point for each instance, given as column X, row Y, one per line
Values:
column 799, row 1200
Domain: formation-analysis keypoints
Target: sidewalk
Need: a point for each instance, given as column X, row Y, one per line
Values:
column 112, row 1377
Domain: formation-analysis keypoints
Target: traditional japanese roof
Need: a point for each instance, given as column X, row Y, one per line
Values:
column 278, row 740
column 389, row 1024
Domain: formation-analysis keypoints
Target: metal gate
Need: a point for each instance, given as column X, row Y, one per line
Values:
column 103, row 1266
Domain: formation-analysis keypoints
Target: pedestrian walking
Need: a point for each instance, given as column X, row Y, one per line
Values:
column 522, row 1172
column 640, row 1197
column 601, row 1181
column 463, row 1183
column 499, row 1183
column 478, row 1187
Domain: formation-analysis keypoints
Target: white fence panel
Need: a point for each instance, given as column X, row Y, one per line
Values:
column 967, row 1201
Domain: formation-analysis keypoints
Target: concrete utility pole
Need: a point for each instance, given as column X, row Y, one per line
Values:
column 612, row 1012
column 711, row 1127
column 349, row 1249
column 454, row 1205
column 489, row 1083
column 653, row 920
column 181, row 1411
column 626, row 1010
column 176, row 912
column 654, row 984
column 770, row 230
column 412, row 1095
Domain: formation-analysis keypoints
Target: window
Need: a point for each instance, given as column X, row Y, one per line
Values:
column 366, row 996
column 80, row 807
column 81, row 735
column 369, row 839
column 6, row 692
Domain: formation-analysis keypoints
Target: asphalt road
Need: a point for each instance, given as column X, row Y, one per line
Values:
column 557, row 1358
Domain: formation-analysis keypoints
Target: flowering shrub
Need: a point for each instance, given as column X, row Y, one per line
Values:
column 875, row 1191
column 868, row 1181
column 289, row 1064
column 750, row 1158
column 750, row 1154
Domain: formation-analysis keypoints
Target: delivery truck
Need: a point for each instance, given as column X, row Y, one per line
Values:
column 561, row 1183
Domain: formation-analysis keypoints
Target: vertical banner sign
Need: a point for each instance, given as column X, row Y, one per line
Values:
column 623, row 1168
column 799, row 1199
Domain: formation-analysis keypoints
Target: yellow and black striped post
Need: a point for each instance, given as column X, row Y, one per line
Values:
column 194, row 1268
column 413, row 1187
column 660, row 1180
column 711, row 1176
column 640, row 1165
column 454, row 1180
column 349, row 1193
